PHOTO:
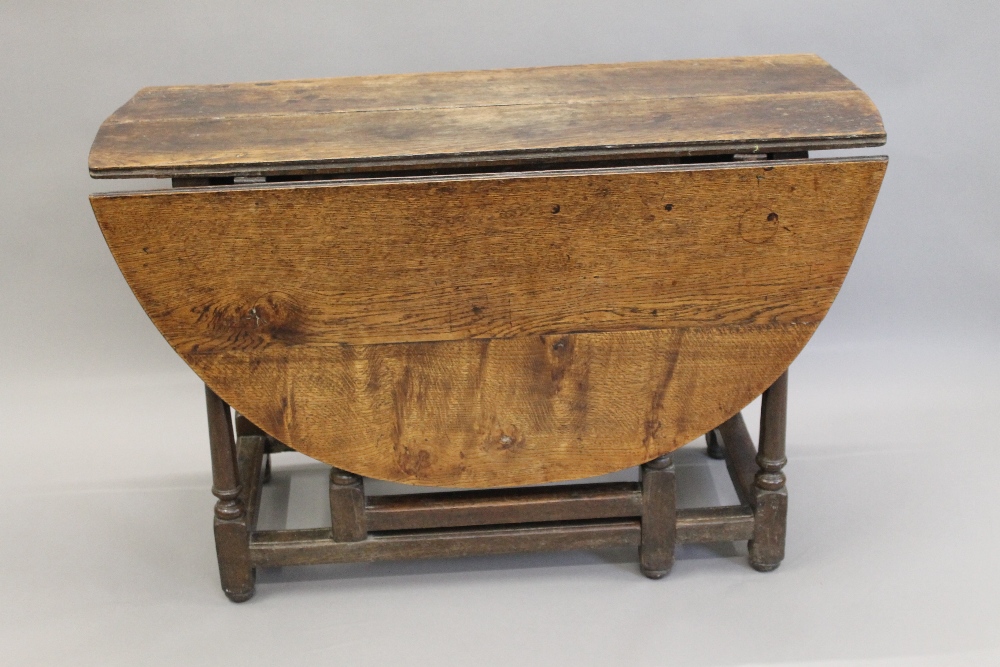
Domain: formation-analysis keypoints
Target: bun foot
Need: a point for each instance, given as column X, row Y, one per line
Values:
column 655, row 574
column 765, row 567
column 240, row 596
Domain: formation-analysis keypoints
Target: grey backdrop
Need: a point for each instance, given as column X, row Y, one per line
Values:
column 894, row 398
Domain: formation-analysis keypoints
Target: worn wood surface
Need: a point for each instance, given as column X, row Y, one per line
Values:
column 251, row 461
column 275, row 548
column 545, row 326
column 244, row 269
column 466, row 119
column 232, row 532
column 517, row 520
column 659, row 517
column 533, row 504
column 767, row 548
column 727, row 523
column 739, row 451
column 347, row 506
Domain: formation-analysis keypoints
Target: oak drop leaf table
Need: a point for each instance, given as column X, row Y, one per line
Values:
column 493, row 280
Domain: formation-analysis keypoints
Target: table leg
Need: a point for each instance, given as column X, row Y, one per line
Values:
column 347, row 506
column 659, row 517
column 232, row 542
column 714, row 443
column 767, row 548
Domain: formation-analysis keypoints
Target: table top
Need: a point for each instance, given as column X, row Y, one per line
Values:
column 477, row 119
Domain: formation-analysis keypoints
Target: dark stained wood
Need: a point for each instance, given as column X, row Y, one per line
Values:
column 314, row 546
column 225, row 475
column 713, row 444
column 251, row 460
column 518, row 520
column 231, row 532
column 497, row 135
column 347, row 506
column 780, row 74
column 729, row 523
column 659, row 517
column 700, row 285
column 536, row 506
column 246, row 427
column 278, row 548
column 767, row 548
column 274, row 446
column 468, row 119
column 493, row 507
column 771, row 455
column 740, row 456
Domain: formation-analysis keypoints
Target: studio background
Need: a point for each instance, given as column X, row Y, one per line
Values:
column 893, row 453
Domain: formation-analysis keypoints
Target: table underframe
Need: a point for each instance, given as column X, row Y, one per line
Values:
column 573, row 517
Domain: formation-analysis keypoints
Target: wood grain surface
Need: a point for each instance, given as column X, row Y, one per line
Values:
column 495, row 330
column 518, row 116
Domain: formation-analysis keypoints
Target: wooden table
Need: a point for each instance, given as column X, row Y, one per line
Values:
column 494, row 279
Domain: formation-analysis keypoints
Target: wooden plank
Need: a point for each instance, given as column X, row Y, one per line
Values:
column 310, row 547
column 314, row 546
column 802, row 73
column 491, row 257
column 522, row 505
column 729, row 523
column 544, row 327
column 474, row 119
column 504, row 412
column 474, row 136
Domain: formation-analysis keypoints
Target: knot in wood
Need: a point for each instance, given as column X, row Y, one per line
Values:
column 758, row 224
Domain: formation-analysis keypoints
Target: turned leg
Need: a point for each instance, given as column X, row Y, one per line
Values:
column 714, row 443
column 347, row 506
column 232, row 543
column 659, row 517
column 767, row 548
